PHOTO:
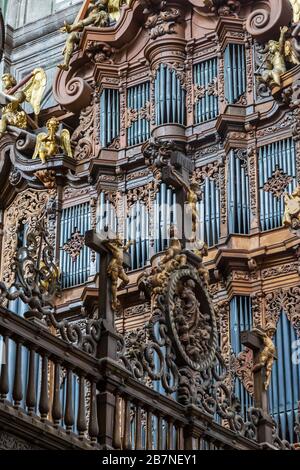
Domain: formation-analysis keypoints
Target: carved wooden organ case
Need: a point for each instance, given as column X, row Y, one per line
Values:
column 179, row 72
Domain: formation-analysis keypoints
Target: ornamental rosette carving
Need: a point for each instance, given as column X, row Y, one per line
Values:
column 74, row 245
column 179, row 346
column 278, row 182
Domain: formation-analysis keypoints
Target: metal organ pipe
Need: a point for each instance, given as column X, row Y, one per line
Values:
column 234, row 72
column 280, row 155
column 170, row 97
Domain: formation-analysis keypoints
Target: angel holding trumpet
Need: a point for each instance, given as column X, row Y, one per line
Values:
column 14, row 94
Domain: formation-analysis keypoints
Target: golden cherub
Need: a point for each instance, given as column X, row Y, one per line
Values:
column 267, row 355
column 291, row 217
column 50, row 144
column 279, row 54
column 31, row 89
column 115, row 268
column 296, row 10
column 99, row 14
column 201, row 250
column 192, row 197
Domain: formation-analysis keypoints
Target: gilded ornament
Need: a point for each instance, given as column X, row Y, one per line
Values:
column 278, row 55
column 30, row 90
column 296, row 10
column 99, row 14
column 115, row 270
column 267, row 355
column 50, row 144
column 291, row 217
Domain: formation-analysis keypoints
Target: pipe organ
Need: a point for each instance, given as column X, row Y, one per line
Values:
column 176, row 117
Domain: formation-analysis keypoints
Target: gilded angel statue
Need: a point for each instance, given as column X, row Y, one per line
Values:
column 279, row 54
column 50, row 144
column 100, row 13
column 30, row 90
column 296, row 10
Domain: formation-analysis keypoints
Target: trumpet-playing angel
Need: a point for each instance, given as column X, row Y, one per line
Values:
column 50, row 144
column 31, row 89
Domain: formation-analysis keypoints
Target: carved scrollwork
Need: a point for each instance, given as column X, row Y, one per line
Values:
column 24, row 211
column 161, row 18
column 73, row 94
column 264, row 21
column 83, row 136
column 37, row 275
column 287, row 301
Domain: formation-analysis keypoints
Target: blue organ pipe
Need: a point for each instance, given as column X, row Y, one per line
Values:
column 281, row 154
column 235, row 72
column 213, row 198
column 174, row 95
column 239, row 74
column 162, row 93
column 102, row 119
column 205, row 81
column 168, row 95
column 109, row 107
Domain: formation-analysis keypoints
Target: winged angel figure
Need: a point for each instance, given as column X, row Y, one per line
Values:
column 30, row 90
column 50, row 144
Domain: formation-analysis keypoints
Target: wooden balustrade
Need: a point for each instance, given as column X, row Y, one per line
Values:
column 62, row 387
column 47, row 379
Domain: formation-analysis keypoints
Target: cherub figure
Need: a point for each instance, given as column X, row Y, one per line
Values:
column 115, row 268
column 267, row 355
column 200, row 249
column 291, row 217
column 97, row 15
column 192, row 196
column 50, row 144
column 296, row 10
column 279, row 53
column 31, row 89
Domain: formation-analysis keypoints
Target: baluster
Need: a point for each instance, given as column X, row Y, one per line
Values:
column 93, row 424
column 179, row 438
column 57, row 406
column 31, row 386
column 4, row 379
column 160, row 433
column 69, row 411
column 117, row 439
column 126, row 438
column 81, row 418
column 149, row 430
column 18, row 388
column 170, row 435
column 138, row 430
column 44, row 397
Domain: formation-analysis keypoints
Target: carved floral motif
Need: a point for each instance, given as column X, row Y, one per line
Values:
column 287, row 301
column 24, row 211
column 278, row 182
column 74, row 245
column 83, row 136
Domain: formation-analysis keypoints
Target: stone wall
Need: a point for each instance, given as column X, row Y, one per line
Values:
column 33, row 39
